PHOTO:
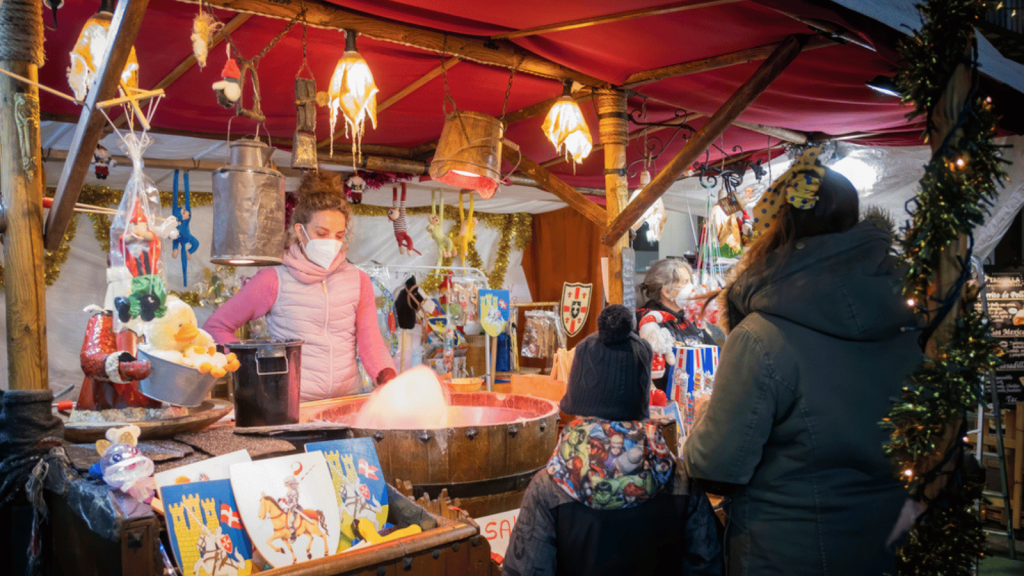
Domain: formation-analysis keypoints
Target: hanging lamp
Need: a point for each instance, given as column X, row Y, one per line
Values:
column 566, row 128
column 352, row 92
column 91, row 48
column 469, row 152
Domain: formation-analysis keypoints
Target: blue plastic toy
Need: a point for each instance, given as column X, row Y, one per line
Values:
column 185, row 240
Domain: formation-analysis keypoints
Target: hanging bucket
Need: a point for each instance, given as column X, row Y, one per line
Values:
column 470, row 158
column 248, row 208
column 268, row 382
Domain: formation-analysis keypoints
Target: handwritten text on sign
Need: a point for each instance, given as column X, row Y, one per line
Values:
column 497, row 528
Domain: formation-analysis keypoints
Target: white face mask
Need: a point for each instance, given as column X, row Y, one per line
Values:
column 321, row 251
column 684, row 295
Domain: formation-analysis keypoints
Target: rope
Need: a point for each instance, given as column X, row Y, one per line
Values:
column 21, row 27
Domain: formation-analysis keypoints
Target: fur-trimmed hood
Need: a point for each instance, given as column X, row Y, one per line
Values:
column 842, row 285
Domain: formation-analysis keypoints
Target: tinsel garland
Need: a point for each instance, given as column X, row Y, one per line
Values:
column 52, row 260
column 958, row 186
column 514, row 230
column 109, row 197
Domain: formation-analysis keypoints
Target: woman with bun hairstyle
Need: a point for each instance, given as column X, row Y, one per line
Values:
column 316, row 296
column 818, row 348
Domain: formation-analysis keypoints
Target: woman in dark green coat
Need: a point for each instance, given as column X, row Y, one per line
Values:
column 818, row 348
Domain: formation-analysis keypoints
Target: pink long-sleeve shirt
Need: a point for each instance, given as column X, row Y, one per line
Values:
column 321, row 370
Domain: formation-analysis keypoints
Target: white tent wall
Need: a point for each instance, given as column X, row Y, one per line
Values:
column 897, row 172
column 82, row 279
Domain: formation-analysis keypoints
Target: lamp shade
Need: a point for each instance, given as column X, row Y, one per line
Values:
column 248, row 208
column 89, row 51
column 469, row 153
column 567, row 130
column 353, row 93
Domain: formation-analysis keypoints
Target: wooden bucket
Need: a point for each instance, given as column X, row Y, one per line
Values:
column 468, row 151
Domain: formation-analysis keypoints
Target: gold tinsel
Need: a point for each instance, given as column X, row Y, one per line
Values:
column 515, row 230
column 52, row 261
column 109, row 197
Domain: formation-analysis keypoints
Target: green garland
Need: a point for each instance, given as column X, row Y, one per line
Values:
column 958, row 185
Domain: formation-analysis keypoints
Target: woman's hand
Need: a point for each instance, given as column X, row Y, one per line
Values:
column 384, row 376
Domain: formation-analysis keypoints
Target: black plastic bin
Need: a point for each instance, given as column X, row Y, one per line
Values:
column 268, row 381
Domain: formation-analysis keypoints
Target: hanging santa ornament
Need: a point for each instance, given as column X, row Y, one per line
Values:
column 91, row 49
column 566, row 128
column 356, row 185
column 354, row 94
column 229, row 89
column 104, row 162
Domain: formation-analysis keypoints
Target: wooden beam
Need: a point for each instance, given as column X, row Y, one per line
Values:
column 123, row 29
column 786, row 134
column 548, row 181
column 715, row 62
column 484, row 51
column 191, row 61
column 22, row 176
column 418, row 84
column 402, row 94
column 715, row 126
column 610, row 18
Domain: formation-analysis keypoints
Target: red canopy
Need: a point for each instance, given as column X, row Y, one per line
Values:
column 823, row 90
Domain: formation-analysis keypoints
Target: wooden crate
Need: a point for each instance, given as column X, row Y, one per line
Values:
column 538, row 386
column 1013, row 443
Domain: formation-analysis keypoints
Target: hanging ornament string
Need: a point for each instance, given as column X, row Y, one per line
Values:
column 508, row 90
column 305, row 62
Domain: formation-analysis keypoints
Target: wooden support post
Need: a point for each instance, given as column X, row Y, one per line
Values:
column 695, row 146
column 22, row 177
column 124, row 27
column 612, row 122
column 548, row 181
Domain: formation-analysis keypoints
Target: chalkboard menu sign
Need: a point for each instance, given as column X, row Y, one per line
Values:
column 629, row 279
column 1005, row 291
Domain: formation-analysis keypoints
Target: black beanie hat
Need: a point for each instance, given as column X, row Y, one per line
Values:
column 611, row 371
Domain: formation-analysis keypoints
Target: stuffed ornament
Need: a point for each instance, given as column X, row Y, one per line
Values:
column 229, row 90
column 467, row 229
column 409, row 301
column 397, row 217
column 356, row 185
column 445, row 246
column 185, row 240
column 104, row 162
column 203, row 29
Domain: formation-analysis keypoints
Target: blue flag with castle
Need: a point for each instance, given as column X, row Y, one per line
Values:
column 205, row 530
column 358, row 483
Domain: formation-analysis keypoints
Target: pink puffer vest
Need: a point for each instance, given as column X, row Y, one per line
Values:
column 324, row 315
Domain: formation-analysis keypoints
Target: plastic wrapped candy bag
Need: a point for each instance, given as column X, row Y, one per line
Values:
column 136, row 233
column 465, row 292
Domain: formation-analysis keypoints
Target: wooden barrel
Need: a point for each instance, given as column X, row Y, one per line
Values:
column 487, row 467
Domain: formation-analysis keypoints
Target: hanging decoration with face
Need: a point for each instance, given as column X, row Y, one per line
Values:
column 304, row 141
column 566, row 128
column 445, row 246
column 353, row 93
column 89, row 51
